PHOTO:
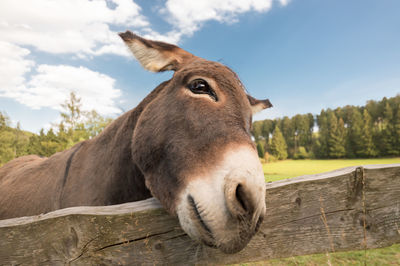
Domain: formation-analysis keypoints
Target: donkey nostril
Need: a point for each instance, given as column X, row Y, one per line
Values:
column 241, row 197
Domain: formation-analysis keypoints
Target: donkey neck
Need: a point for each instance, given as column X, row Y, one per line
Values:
column 122, row 129
column 127, row 182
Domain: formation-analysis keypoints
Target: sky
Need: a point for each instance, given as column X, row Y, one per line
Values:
column 304, row 55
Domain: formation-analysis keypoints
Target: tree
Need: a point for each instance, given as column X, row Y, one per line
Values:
column 301, row 153
column 13, row 141
column 6, row 139
column 288, row 132
column 321, row 141
column 299, row 127
column 336, row 137
column 267, row 129
column 20, row 142
column 278, row 145
column 34, row 145
column 311, row 123
column 78, row 125
column 387, row 143
column 72, row 114
column 50, row 143
column 6, row 150
column 4, row 121
column 367, row 146
column 396, row 130
column 260, row 150
column 352, row 131
column 303, row 126
column 257, row 130
column 355, row 132
column 374, row 108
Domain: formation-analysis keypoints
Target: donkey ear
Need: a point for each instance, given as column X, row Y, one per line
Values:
column 258, row 105
column 155, row 56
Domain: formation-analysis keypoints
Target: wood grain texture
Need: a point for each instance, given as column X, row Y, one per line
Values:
column 348, row 209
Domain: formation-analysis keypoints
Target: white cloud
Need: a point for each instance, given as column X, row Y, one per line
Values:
column 78, row 27
column 86, row 28
column 13, row 66
column 74, row 26
column 173, row 36
column 51, row 86
column 284, row 2
column 189, row 16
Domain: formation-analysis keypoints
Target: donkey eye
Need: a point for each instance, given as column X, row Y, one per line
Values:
column 200, row 86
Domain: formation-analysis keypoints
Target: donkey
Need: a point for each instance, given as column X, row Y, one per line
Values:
column 187, row 143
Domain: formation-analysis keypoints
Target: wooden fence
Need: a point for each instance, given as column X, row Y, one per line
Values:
column 349, row 209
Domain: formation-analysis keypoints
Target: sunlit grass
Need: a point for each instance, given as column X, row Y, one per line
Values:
column 373, row 257
column 291, row 168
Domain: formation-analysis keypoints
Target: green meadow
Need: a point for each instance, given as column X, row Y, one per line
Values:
column 373, row 257
column 291, row 168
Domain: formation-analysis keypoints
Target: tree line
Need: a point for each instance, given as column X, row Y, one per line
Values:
column 366, row 131
column 349, row 132
column 76, row 125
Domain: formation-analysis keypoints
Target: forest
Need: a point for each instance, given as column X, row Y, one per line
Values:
column 76, row 125
column 366, row 131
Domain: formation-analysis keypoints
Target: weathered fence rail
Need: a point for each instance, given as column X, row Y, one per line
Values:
column 349, row 209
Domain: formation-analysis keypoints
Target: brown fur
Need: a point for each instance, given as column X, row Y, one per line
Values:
column 153, row 147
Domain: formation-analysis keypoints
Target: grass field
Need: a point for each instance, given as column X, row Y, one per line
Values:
column 373, row 257
column 291, row 168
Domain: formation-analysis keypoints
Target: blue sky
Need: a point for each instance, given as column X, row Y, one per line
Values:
column 304, row 55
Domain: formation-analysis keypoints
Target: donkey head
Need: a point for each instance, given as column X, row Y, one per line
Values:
column 193, row 145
